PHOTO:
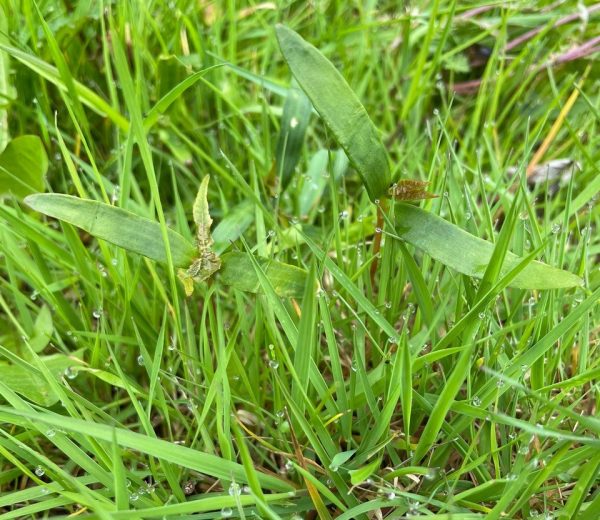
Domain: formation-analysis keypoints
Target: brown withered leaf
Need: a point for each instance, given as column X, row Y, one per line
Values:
column 410, row 189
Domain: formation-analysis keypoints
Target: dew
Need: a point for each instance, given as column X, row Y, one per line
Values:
column 70, row 373
column 172, row 347
column 499, row 383
column 511, row 476
column 44, row 491
column 294, row 122
column 378, row 230
column 555, row 228
column 391, row 495
column 481, row 315
column 246, row 490
column 114, row 262
column 431, row 474
column 234, row 489
column 226, row 512
column 376, row 201
column 388, row 305
column 34, row 295
column 134, row 497
column 344, row 215
column 354, row 366
column 296, row 517
column 140, row 360
column 97, row 313
column 468, row 215
column 524, row 450
column 476, row 401
column 436, row 112
column 274, row 364
column 50, row 433
column 524, row 368
column 39, row 471
column 289, row 465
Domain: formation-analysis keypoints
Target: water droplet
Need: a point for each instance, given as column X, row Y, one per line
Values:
column 50, row 433
column 431, row 474
column 354, row 366
column 114, row 262
column 133, row 497
column 555, row 228
column 234, row 489
column 44, row 491
column 436, row 112
column 39, row 471
column 476, row 401
column 34, row 295
column 388, row 305
column 391, row 495
column 294, row 122
column 524, row 368
column 378, row 230
column 70, row 372
column 97, row 313
column 481, row 315
column 226, row 512
column 468, row 215
column 274, row 364
column 499, row 383
column 140, row 360
column 511, row 476
column 344, row 215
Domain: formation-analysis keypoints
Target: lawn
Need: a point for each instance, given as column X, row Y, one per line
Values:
column 299, row 260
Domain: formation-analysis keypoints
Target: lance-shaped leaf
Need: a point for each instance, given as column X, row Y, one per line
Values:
column 468, row 254
column 237, row 270
column 115, row 225
column 339, row 108
column 294, row 121
column 23, row 164
column 143, row 236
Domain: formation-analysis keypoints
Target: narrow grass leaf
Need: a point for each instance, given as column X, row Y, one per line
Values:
column 340, row 109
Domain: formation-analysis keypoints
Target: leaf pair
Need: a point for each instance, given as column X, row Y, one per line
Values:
column 351, row 126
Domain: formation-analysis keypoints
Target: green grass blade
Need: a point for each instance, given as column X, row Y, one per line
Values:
column 23, row 164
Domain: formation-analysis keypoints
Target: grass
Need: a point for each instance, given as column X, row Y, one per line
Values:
column 415, row 392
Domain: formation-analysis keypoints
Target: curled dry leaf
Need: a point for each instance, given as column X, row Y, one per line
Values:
column 207, row 261
column 410, row 189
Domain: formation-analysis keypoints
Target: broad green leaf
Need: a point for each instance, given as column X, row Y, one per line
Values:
column 340, row 459
column 33, row 386
column 23, row 164
column 468, row 254
column 115, row 225
column 294, row 121
column 340, row 109
column 237, row 270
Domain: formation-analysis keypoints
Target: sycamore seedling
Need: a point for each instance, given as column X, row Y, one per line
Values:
column 207, row 262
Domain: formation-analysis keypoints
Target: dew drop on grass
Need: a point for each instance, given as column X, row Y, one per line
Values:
column 226, row 512
column 476, row 401
column 39, row 471
column 555, row 229
column 97, row 313
column 70, row 373
column 34, row 295
column 133, row 497
column 274, row 364
column 140, row 360
column 50, row 433
column 44, row 491
column 377, row 230
column 234, row 489
column 468, row 215
column 296, row 517
column 481, row 315
column 293, row 122
column 391, row 495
